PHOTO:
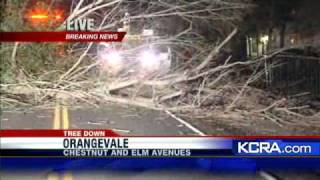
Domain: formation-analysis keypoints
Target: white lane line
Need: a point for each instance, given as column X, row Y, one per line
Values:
column 267, row 176
column 121, row 130
column 188, row 125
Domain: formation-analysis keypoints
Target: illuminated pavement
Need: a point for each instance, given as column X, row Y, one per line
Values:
column 123, row 120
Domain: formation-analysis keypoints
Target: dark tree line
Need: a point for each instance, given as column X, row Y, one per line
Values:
column 271, row 14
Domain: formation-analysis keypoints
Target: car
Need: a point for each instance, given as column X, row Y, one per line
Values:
column 138, row 56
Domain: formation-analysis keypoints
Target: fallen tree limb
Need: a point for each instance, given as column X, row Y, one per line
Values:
column 216, row 50
column 170, row 96
column 286, row 110
column 273, row 105
column 121, row 85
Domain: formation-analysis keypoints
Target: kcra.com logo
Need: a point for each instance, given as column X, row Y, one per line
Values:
column 261, row 148
column 258, row 147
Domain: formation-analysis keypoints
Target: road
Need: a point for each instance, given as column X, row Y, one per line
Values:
column 125, row 121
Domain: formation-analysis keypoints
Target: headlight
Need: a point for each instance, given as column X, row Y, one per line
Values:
column 113, row 57
column 148, row 59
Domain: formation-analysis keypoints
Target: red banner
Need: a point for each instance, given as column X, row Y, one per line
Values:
column 111, row 133
column 61, row 36
column 58, row 133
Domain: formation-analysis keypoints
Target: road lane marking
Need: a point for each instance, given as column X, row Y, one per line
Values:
column 65, row 117
column 53, row 176
column 56, row 119
column 61, row 117
column 67, row 176
column 61, row 121
column 188, row 125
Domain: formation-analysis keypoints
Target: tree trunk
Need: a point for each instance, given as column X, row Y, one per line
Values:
column 282, row 34
column 270, row 41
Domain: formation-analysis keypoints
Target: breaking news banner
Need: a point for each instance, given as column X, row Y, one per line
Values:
column 78, row 30
column 106, row 143
column 63, row 36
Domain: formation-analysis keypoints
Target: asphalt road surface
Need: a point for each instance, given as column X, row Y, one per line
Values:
column 125, row 121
